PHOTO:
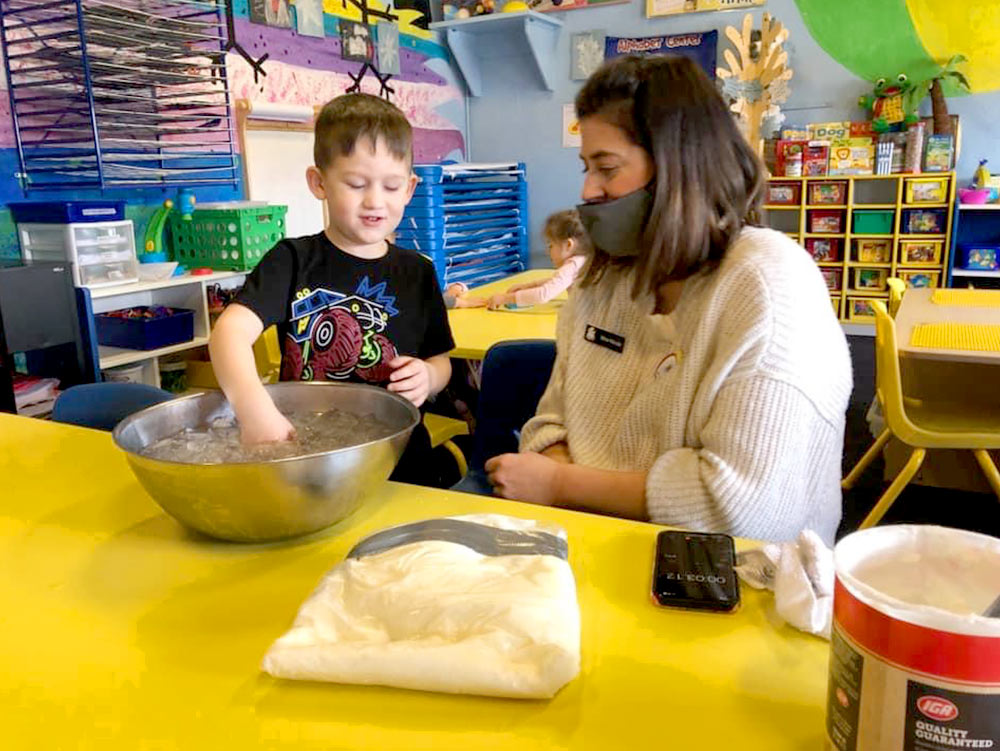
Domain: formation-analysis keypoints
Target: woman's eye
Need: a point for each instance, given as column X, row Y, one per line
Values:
column 356, row 186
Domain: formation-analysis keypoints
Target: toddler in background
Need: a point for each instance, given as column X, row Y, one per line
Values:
column 568, row 246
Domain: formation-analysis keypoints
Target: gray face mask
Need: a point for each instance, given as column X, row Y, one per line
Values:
column 616, row 226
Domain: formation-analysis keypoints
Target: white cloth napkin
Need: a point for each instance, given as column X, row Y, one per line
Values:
column 490, row 611
column 801, row 575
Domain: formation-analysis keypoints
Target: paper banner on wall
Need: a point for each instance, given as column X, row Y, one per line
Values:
column 271, row 13
column 309, row 17
column 586, row 54
column 673, row 7
column 356, row 42
column 545, row 6
column 387, row 36
column 699, row 46
column 570, row 128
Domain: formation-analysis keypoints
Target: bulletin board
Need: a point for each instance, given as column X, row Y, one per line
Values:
column 276, row 143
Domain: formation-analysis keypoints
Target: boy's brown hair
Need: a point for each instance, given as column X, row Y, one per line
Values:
column 347, row 119
column 566, row 225
column 709, row 182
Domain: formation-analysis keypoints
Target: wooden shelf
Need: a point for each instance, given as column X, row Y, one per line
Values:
column 885, row 196
column 112, row 356
column 174, row 281
column 469, row 38
column 976, row 272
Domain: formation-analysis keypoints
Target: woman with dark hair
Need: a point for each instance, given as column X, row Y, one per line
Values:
column 701, row 378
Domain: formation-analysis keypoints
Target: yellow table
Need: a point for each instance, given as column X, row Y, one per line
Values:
column 477, row 329
column 917, row 308
column 119, row 630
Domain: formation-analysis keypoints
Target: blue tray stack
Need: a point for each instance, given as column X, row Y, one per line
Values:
column 471, row 220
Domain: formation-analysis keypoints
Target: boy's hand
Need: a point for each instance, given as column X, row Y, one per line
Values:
column 411, row 379
column 500, row 301
column 265, row 424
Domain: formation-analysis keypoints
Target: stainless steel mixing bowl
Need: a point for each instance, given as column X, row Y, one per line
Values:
column 269, row 500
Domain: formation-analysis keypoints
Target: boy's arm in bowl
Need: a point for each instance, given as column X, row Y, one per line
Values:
column 231, row 349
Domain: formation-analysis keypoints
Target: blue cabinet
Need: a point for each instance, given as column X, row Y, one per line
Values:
column 975, row 227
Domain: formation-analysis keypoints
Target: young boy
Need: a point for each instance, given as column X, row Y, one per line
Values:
column 349, row 305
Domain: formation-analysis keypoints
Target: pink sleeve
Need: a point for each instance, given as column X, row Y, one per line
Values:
column 557, row 283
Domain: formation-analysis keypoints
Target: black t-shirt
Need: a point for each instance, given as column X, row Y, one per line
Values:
column 345, row 318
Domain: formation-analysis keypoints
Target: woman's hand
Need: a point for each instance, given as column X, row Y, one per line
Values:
column 526, row 477
column 411, row 379
column 500, row 301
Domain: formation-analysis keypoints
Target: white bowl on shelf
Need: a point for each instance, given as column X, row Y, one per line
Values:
column 156, row 272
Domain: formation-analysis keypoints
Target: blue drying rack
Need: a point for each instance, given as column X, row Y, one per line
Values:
column 471, row 220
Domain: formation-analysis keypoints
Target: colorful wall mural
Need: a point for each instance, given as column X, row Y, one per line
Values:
column 300, row 70
column 916, row 37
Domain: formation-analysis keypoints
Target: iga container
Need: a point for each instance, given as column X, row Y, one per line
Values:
column 923, row 221
column 227, row 236
column 873, row 251
column 147, row 328
column 859, row 309
column 914, row 665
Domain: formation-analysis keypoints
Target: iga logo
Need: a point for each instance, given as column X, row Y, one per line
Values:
column 937, row 708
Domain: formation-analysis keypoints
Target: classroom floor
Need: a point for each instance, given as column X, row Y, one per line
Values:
column 952, row 508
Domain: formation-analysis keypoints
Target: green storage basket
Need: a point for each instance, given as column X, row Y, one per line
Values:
column 873, row 222
column 227, row 239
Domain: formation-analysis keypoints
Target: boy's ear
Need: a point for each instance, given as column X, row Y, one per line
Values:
column 315, row 180
column 412, row 186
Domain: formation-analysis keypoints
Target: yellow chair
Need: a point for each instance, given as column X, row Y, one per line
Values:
column 896, row 289
column 921, row 425
column 442, row 430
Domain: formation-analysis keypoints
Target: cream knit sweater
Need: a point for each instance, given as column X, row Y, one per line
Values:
column 733, row 403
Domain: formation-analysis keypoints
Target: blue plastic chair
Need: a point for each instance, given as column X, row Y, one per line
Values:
column 104, row 405
column 514, row 378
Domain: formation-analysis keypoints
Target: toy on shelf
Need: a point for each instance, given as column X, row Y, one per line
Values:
column 982, row 258
column 873, row 251
column 154, row 249
column 757, row 82
column 893, row 104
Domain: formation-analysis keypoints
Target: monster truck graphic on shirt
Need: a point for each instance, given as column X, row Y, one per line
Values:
column 334, row 336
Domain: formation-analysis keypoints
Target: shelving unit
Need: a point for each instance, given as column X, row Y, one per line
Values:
column 180, row 292
column 503, row 38
column 890, row 253
column 974, row 225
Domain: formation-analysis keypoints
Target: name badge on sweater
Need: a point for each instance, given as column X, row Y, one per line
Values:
column 603, row 338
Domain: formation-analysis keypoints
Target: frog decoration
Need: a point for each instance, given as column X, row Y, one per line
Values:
column 894, row 104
